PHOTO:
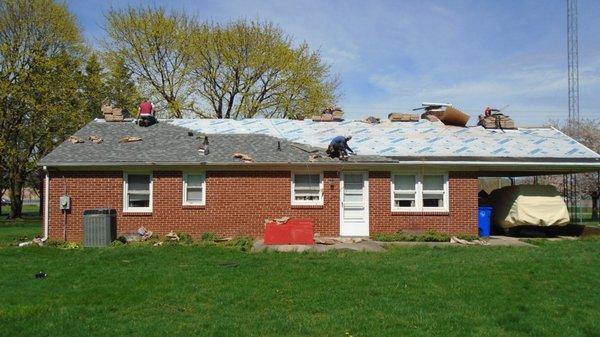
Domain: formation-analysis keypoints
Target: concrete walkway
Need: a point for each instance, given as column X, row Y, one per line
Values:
column 365, row 245
column 368, row 245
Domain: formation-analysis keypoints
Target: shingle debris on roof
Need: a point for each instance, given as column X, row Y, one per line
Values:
column 280, row 141
column 164, row 143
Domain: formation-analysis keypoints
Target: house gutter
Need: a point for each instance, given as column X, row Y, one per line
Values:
column 46, row 206
column 594, row 164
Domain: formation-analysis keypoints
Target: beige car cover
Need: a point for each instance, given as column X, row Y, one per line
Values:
column 533, row 205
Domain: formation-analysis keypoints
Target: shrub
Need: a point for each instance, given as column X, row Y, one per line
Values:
column 63, row 244
column 117, row 243
column 433, row 236
column 243, row 243
column 428, row 236
column 468, row 237
column 210, row 237
column 391, row 237
column 185, row 238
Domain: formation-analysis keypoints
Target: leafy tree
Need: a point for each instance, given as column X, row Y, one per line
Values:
column 94, row 87
column 154, row 46
column 40, row 92
column 246, row 69
column 243, row 69
column 121, row 89
column 3, row 184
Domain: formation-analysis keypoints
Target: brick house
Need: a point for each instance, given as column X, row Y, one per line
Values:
column 410, row 176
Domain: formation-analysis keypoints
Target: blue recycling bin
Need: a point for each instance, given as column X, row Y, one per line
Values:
column 485, row 221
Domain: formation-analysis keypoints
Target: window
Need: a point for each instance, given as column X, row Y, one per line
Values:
column 433, row 191
column 307, row 189
column 193, row 189
column 405, row 191
column 419, row 192
column 137, row 192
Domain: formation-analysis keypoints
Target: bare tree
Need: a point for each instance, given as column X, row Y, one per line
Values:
column 246, row 69
column 154, row 44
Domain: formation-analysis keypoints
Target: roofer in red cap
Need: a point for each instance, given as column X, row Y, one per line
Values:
column 146, row 113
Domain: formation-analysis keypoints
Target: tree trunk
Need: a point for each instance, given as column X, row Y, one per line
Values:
column 16, row 183
column 595, row 198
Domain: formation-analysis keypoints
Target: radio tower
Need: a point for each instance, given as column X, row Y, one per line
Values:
column 573, row 60
column 570, row 181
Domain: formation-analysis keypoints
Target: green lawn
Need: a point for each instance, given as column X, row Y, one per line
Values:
column 551, row 290
column 14, row 231
column 584, row 217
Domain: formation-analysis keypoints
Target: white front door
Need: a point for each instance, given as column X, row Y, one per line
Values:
column 354, row 204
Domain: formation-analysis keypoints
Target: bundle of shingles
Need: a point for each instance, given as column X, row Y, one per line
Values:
column 112, row 114
column 331, row 114
column 403, row 117
column 496, row 120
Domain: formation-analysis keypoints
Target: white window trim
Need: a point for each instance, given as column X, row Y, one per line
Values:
column 307, row 202
column 126, row 208
column 419, row 193
column 184, row 194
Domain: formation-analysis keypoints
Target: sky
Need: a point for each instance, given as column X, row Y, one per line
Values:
column 392, row 55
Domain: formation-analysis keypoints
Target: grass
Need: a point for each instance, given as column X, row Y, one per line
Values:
column 14, row 231
column 584, row 217
column 551, row 290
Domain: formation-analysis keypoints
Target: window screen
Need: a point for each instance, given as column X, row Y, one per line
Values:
column 307, row 188
column 433, row 190
column 138, row 190
column 194, row 188
column 419, row 192
column 405, row 191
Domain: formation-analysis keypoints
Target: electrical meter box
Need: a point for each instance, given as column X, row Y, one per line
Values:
column 65, row 202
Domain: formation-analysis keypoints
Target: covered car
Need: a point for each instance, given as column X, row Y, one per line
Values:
column 528, row 205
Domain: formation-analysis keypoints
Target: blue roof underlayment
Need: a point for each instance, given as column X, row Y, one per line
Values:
column 406, row 139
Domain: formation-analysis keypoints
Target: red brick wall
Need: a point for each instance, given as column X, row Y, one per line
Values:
column 462, row 217
column 238, row 202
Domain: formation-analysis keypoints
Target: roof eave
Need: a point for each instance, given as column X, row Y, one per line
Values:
column 473, row 163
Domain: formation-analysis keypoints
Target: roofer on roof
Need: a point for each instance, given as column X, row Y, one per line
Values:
column 338, row 147
column 146, row 113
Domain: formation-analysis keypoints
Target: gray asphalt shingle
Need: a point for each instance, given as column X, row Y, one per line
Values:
column 164, row 143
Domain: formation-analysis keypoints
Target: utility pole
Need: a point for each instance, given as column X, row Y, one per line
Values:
column 570, row 180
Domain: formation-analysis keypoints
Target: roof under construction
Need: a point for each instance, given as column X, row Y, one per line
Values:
column 281, row 141
column 409, row 139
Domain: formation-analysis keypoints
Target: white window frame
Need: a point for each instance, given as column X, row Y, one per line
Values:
column 419, row 193
column 394, row 191
column 126, row 208
column 185, row 188
column 295, row 202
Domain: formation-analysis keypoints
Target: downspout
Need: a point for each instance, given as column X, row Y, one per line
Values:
column 46, row 206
